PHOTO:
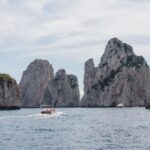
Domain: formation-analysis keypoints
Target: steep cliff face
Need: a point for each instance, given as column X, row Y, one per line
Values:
column 89, row 74
column 63, row 90
column 121, row 77
column 39, row 86
column 9, row 93
column 147, row 106
column 34, row 82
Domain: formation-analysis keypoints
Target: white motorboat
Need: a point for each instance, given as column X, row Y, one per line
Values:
column 120, row 105
column 48, row 109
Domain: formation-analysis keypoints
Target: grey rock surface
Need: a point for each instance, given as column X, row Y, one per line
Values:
column 121, row 78
column 34, row 82
column 63, row 90
column 39, row 86
column 9, row 93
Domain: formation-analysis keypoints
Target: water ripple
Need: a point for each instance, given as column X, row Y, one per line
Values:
column 76, row 129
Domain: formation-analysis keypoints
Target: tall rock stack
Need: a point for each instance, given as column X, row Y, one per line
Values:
column 121, row 78
column 39, row 86
column 34, row 82
column 89, row 73
column 9, row 93
column 63, row 90
column 147, row 105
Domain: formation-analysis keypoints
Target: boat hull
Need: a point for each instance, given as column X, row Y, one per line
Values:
column 46, row 112
column 120, row 105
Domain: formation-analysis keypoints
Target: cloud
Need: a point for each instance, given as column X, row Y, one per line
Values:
column 68, row 32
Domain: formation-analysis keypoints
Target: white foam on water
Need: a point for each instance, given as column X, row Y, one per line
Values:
column 56, row 114
column 11, row 117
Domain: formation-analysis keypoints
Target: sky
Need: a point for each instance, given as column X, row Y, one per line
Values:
column 69, row 32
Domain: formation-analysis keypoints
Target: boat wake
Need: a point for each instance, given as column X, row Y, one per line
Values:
column 55, row 114
column 39, row 115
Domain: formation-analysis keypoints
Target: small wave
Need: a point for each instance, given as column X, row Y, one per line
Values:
column 12, row 117
column 43, row 130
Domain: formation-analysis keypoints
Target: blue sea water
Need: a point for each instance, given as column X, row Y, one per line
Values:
column 76, row 129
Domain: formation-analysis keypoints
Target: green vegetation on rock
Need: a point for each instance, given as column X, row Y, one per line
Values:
column 134, row 61
column 107, row 80
column 4, row 76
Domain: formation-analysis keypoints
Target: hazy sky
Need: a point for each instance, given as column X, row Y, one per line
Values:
column 68, row 32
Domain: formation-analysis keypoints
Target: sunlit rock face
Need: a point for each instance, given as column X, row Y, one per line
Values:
column 63, row 90
column 121, row 78
column 34, row 82
column 9, row 93
column 39, row 86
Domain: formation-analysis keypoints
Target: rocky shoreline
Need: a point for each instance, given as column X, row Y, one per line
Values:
column 10, row 107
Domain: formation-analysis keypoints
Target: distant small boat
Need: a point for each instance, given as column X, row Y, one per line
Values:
column 120, row 105
column 48, row 109
column 49, row 112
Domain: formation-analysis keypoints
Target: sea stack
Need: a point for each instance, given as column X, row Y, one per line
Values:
column 121, row 78
column 9, row 93
column 39, row 86
column 63, row 90
column 34, row 82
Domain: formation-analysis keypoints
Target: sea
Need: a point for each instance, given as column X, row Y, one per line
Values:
column 76, row 129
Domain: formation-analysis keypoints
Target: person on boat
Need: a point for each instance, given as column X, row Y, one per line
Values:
column 52, row 110
column 49, row 110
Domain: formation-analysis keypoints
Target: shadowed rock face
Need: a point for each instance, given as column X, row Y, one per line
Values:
column 121, row 77
column 63, row 90
column 34, row 82
column 9, row 93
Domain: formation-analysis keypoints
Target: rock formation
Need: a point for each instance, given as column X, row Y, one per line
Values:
column 34, row 82
column 121, row 78
column 9, row 93
column 40, row 87
column 63, row 90
column 147, row 106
